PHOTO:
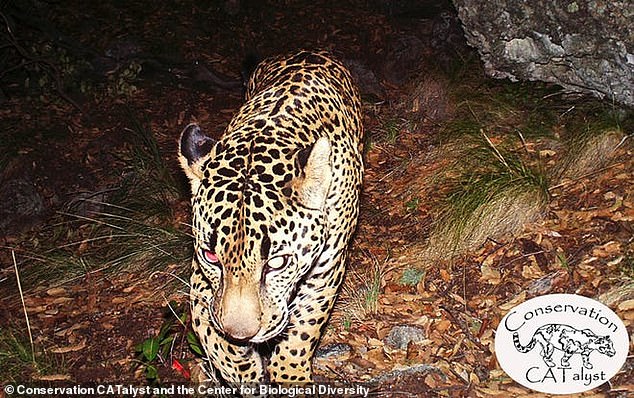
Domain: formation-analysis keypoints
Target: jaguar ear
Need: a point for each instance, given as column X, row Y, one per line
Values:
column 314, row 183
column 193, row 148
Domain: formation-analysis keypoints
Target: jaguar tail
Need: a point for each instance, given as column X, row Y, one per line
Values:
column 519, row 347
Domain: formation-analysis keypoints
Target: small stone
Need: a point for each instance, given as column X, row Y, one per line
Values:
column 333, row 350
column 573, row 7
column 400, row 336
column 21, row 206
column 56, row 291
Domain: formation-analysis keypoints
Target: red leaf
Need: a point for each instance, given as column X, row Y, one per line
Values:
column 180, row 368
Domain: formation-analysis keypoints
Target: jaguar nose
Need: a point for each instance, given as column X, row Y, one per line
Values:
column 240, row 331
column 241, row 314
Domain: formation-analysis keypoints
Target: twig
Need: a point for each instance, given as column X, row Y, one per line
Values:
column 622, row 141
column 576, row 180
column 26, row 315
column 173, row 311
column 497, row 153
column 53, row 69
column 519, row 133
column 457, row 320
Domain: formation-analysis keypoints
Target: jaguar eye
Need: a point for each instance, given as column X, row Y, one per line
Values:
column 210, row 257
column 277, row 262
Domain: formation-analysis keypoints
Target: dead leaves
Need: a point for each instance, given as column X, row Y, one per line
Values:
column 582, row 247
column 73, row 322
column 490, row 275
column 626, row 305
column 75, row 347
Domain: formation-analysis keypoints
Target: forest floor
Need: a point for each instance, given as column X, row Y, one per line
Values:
column 89, row 126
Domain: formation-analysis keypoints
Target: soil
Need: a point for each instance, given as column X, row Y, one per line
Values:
column 70, row 143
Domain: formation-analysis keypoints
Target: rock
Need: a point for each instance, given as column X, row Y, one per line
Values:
column 414, row 370
column 582, row 45
column 547, row 283
column 400, row 336
column 365, row 78
column 402, row 59
column 86, row 204
column 21, row 206
column 333, row 350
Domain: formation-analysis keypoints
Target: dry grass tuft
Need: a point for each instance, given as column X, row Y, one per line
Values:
column 504, row 214
column 590, row 152
column 359, row 297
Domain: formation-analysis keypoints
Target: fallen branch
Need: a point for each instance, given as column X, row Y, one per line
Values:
column 26, row 315
column 28, row 59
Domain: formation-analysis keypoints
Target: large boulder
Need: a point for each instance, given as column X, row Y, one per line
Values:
column 582, row 45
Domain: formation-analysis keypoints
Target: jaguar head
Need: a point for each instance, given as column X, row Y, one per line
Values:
column 259, row 222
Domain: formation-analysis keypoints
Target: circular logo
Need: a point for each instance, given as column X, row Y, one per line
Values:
column 561, row 343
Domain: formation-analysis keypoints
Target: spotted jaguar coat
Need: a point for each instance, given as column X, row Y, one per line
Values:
column 275, row 202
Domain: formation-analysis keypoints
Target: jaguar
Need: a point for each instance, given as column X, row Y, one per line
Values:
column 569, row 340
column 275, row 202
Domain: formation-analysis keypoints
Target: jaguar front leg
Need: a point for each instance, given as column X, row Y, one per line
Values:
column 585, row 355
column 291, row 359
